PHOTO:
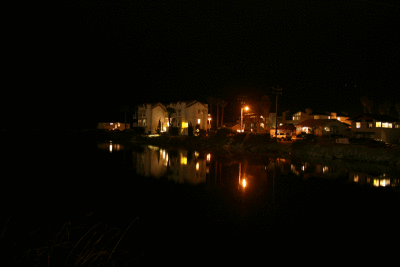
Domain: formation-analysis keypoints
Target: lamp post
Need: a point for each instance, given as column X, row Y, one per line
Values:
column 241, row 117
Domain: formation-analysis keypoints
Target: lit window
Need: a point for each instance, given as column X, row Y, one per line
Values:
column 119, row 124
column 369, row 124
column 397, row 126
column 111, row 123
column 378, row 124
column 387, row 125
column 358, row 124
column 327, row 129
column 198, row 121
column 144, row 122
column 184, row 160
column 185, row 124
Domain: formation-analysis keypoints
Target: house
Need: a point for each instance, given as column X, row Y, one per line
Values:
column 150, row 116
column 112, row 126
column 322, row 127
column 299, row 117
column 382, row 127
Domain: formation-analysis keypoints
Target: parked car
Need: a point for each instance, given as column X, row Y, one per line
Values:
column 310, row 139
column 284, row 136
column 375, row 143
column 297, row 137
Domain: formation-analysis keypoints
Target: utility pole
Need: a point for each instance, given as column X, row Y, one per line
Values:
column 277, row 91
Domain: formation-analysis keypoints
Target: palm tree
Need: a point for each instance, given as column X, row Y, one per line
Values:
column 382, row 110
column 370, row 104
column 125, row 109
column 387, row 105
column 170, row 111
column 223, row 104
column 364, row 102
column 211, row 101
column 397, row 106
column 265, row 108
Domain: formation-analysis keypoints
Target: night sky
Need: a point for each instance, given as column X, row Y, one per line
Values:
column 78, row 62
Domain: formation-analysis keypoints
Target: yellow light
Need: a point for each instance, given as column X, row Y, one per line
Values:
column 184, row 160
column 196, row 154
column 356, row 177
column 244, row 183
column 185, row 125
column 197, row 166
column 246, row 108
column 208, row 157
column 198, row 121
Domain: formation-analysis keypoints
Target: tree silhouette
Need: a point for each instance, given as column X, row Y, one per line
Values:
column 397, row 106
column 211, row 101
column 370, row 104
column 364, row 102
column 125, row 109
column 265, row 104
column 223, row 104
column 387, row 105
column 382, row 110
column 170, row 111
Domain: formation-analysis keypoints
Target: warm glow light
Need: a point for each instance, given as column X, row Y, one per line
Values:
column 358, row 124
column 184, row 160
column 198, row 121
column 246, row 108
column 208, row 157
column 197, row 166
column 325, row 169
column 356, row 177
column 244, row 183
column 196, row 154
column 185, row 124
column 110, row 147
column 384, row 182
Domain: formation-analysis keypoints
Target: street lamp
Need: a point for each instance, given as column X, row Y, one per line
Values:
column 241, row 117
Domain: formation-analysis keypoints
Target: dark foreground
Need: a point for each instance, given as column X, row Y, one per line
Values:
column 151, row 221
column 63, row 205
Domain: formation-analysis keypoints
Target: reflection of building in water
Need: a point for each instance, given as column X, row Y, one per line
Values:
column 377, row 180
column 110, row 146
column 180, row 166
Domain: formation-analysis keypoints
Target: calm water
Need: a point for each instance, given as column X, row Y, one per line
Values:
column 184, row 197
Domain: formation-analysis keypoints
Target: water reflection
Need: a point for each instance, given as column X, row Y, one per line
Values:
column 111, row 146
column 193, row 167
column 381, row 180
column 180, row 166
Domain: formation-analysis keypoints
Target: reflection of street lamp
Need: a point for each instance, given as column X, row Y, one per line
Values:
column 241, row 117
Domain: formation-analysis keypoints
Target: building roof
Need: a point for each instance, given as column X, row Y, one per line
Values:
column 313, row 123
column 374, row 117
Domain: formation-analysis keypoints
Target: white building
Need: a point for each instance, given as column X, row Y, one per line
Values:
column 150, row 115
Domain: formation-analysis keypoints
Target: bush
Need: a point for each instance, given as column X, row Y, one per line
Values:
column 256, row 139
column 223, row 133
column 238, row 138
column 174, row 131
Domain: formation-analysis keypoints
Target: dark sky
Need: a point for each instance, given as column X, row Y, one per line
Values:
column 81, row 60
